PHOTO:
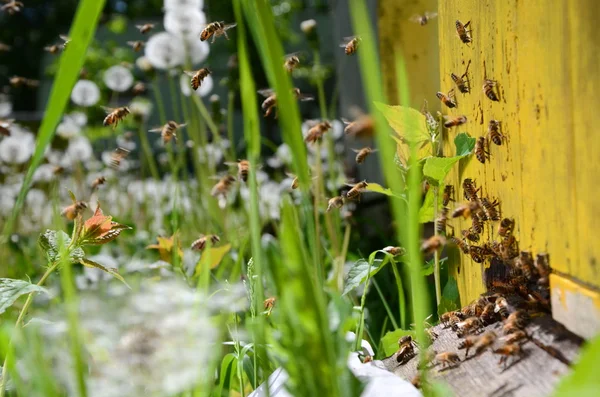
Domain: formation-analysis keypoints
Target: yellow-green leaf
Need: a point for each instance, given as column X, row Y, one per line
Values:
column 112, row 271
column 409, row 123
column 212, row 256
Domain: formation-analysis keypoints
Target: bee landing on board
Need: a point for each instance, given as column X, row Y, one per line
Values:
column 114, row 116
column 361, row 154
column 448, row 100
column 243, row 169
column 469, row 326
column 200, row 244
column 350, row 44
column 494, row 133
column 488, row 90
column 291, row 62
column 463, row 33
column 481, row 152
column 423, row 19
column 507, row 351
column 467, row 343
column 145, row 28
column 462, row 82
column 223, row 186
column 136, row 45
column 118, row 155
column 216, row 29
column 484, row 342
column 316, row 132
column 519, row 336
column 447, row 359
column 198, row 76
column 449, row 319
column 168, row 131
column 465, row 210
column 455, row 121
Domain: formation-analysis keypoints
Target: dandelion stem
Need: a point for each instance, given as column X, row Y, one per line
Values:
column 151, row 162
column 401, row 296
column 230, row 134
column 436, row 255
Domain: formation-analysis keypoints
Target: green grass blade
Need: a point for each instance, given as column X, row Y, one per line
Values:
column 71, row 62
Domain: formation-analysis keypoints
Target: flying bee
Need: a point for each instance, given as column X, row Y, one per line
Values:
column 488, row 316
column 12, row 7
column 505, row 228
column 462, row 82
column 136, row 45
column 168, row 131
column 481, row 152
column 5, row 127
column 243, row 169
column 394, row 251
column 362, row 126
column 442, row 220
column 357, row 189
column 292, row 61
column 423, row 19
column 507, row 351
column 4, row 47
column 114, row 116
column 470, row 235
column 269, row 303
column 448, row 100
column 139, row 88
column 468, row 343
column 145, row 28
column 270, row 102
column 222, row 187
column 216, row 29
column 494, row 132
column 490, row 210
column 476, row 223
column 350, row 44
column 316, row 132
column 488, row 89
column 200, row 243
column 198, row 76
column 72, row 211
column 501, row 307
column 460, row 243
column 361, row 154
column 469, row 326
column 432, row 244
column 542, row 264
column 53, row 49
column 448, row 195
column 97, row 182
column 463, row 33
column 447, row 359
column 454, row 122
column 516, row 337
column 117, row 156
column 17, row 81
column 465, row 210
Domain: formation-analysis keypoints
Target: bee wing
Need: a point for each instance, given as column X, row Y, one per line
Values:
column 64, row 38
column 132, row 43
column 229, row 26
column 231, row 163
column 290, row 175
column 156, row 129
column 415, row 18
column 181, row 125
column 189, row 73
column 293, row 54
column 356, row 150
column 121, row 151
column 266, row 92
column 305, row 97
column 431, row 15
column 107, row 109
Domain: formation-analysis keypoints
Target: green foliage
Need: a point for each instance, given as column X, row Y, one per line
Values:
column 112, row 271
column 583, row 381
column 117, row 24
column 450, row 297
column 436, row 168
column 389, row 342
column 359, row 272
column 427, row 210
column 227, row 374
column 11, row 290
column 54, row 242
column 409, row 123
column 428, row 268
column 464, row 144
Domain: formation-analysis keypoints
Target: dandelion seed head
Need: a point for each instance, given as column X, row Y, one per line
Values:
column 85, row 93
column 143, row 64
column 44, row 173
column 198, row 50
column 170, row 5
column 165, row 51
column 140, row 108
column 80, row 149
column 17, row 148
column 308, row 26
column 118, row 78
column 68, row 129
column 206, row 87
column 79, row 118
column 186, row 23
column 5, row 106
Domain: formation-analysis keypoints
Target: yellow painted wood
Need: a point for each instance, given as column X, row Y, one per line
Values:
column 546, row 61
column 418, row 45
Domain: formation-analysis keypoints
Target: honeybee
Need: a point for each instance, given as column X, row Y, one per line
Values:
column 363, row 125
column 271, row 99
column 470, row 192
column 200, row 243
column 469, row 326
column 507, row 351
column 405, row 340
column 5, row 127
column 350, row 44
column 460, row 243
column 488, row 316
column 454, row 122
column 198, row 76
column 501, row 307
column 423, row 19
column 467, row 343
column 4, row 47
column 451, row 318
column 442, row 220
column 72, row 211
column 53, row 49
column 356, row 190
column 447, row 359
column 515, row 337
column 97, row 182
column 507, row 249
column 478, row 254
column 243, row 169
column 465, row 210
column 476, row 223
column 12, row 7
column 405, row 353
column 394, row 251
column 488, row 89
column 216, row 29
column 505, row 227
column 168, row 131
column 490, row 210
column 269, row 303
column 291, row 62
column 145, row 28
column 223, row 186
column 480, row 150
column 462, row 82
column 542, row 264
column 432, row 244
column 118, row 155
column 136, row 45
column 525, row 264
column 17, row 81
column 448, row 100
column 486, row 340
column 58, row 170
column 448, row 195
column 139, row 88
column 463, row 33
column 316, row 132
column 470, row 235
column 494, row 132
column 114, row 116
column 416, row 381
column 361, row 154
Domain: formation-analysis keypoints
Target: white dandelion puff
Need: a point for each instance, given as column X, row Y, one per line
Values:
column 17, row 149
column 165, row 51
column 118, row 78
column 68, row 129
column 184, row 23
column 170, row 5
column 206, row 87
column 80, row 149
column 79, row 118
column 5, row 105
column 197, row 50
column 140, row 108
column 85, row 93
column 143, row 64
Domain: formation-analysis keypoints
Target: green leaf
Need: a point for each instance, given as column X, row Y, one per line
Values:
column 53, row 242
column 427, row 270
column 112, row 271
column 464, row 144
column 450, row 298
column 358, row 273
column 227, row 373
column 117, row 24
column 583, row 381
column 409, row 123
column 390, row 340
column 211, row 257
column 71, row 62
column 377, row 188
column 426, row 212
column 11, row 290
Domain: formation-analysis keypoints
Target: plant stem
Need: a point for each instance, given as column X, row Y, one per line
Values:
column 401, row 296
column 436, row 255
column 230, row 134
column 148, row 152
column 341, row 259
column 20, row 320
column 385, row 305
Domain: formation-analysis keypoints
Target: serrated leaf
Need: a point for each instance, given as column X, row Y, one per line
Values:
column 112, row 271
column 358, row 273
column 214, row 256
column 426, row 213
column 52, row 242
column 464, row 144
column 390, row 340
column 11, row 290
column 436, row 168
column 409, row 123
column 377, row 188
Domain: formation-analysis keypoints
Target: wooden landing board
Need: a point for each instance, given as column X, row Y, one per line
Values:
column 535, row 375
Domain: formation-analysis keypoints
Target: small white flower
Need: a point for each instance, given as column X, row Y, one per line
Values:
column 183, row 4
column 125, row 143
column 165, row 51
column 308, row 26
column 85, row 93
column 184, row 22
column 80, row 149
column 337, row 129
column 143, row 64
column 79, row 118
column 17, row 149
column 44, row 173
column 68, row 129
column 141, row 108
column 197, row 50
column 5, row 105
column 206, row 87
column 118, row 78
column 283, row 156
